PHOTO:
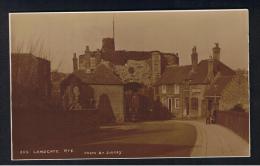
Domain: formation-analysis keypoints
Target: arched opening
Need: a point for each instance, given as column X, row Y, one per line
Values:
column 138, row 102
column 133, row 86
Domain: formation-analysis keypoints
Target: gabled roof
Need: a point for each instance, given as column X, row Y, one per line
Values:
column 102, row 76
column 200, row 76
column 175, row 74
column 179, row 73
column 218, row 85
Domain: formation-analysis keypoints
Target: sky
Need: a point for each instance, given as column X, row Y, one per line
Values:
column 58, row 35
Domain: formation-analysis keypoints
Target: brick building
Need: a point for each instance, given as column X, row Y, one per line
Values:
column 183, row 88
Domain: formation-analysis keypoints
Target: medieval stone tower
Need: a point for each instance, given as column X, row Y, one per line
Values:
column 143, row 67
column 108, row 46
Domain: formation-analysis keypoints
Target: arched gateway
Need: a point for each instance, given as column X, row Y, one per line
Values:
column 138, row 101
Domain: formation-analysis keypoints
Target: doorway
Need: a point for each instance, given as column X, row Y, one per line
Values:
column 170, row 101
column 132, row 100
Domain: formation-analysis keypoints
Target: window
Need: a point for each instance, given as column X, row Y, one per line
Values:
column 164, row 89
column 176, row 89
column 194, row 103
column 164, row 101
column 177, row 103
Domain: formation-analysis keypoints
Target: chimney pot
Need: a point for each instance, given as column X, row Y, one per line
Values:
column 216, row 52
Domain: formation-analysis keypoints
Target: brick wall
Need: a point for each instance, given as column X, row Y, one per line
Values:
column 236, row 121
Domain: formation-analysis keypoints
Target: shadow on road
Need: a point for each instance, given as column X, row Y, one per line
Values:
column 153, row 139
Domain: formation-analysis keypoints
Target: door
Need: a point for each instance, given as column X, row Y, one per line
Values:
column 170, row 104
column 187, row 106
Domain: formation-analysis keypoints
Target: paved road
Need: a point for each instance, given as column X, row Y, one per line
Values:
column 172, row 138
column 147, row 139
column 216, row 140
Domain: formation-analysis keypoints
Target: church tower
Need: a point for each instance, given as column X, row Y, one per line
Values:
column 108, row 44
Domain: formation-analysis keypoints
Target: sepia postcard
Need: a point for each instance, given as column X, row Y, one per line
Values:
column 139, row 84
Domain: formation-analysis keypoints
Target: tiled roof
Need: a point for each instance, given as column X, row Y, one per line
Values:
column 180, row 73
column 218, row 86
column 175, row 74
column 102, row 76
column 200, row 76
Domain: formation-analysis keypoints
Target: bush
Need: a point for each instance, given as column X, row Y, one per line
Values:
column 238, row 108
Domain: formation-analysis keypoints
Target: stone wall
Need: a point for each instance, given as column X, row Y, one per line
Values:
column 135, row 71
column 115, row 94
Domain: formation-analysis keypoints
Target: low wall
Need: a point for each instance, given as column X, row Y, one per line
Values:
column 236, row 121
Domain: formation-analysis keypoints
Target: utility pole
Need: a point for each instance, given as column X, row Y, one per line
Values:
column 113, row 27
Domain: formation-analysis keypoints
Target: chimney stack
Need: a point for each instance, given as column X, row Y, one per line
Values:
column 75, row 62
column 194, row 59
column 87, row 51
column 216, row 52
column 210, row 69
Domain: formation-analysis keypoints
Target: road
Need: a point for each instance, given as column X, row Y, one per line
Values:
column 216, row 140
column 171, row 138
column 147, row 139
